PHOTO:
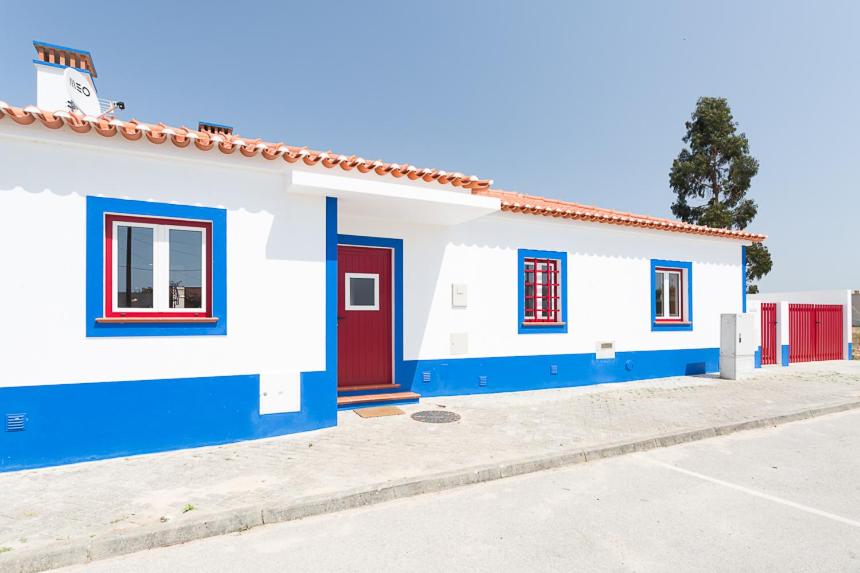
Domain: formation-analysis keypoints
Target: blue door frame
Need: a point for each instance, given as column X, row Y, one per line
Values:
column 396, row 246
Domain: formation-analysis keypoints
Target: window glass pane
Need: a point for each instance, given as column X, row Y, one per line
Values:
column 134, row 266
column 674, row 295
column 186, row 269
column 362, row 291
column 530, row 301
column 658, row 294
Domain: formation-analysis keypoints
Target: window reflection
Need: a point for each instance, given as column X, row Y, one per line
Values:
column 362, row 291
column 186, row 268
column 674, row 288
column 134, row 266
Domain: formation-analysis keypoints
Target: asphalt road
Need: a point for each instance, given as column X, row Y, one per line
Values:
column 781, row 499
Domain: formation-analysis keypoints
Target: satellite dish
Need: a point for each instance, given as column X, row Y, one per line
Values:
column 82, row 92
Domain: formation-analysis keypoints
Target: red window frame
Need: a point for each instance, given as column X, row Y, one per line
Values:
column 550, row 303
column 681, row 318
column 110, row 311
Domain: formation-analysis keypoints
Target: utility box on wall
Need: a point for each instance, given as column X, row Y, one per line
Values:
column 458, row 295
column 738, row 344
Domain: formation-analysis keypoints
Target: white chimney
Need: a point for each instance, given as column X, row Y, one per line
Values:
column 51, row 91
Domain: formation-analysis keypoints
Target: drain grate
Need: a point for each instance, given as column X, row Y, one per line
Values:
column 435, row 417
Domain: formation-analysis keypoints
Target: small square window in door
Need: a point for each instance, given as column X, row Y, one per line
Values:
column 362, row 291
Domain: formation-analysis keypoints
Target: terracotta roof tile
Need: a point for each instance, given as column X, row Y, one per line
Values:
column 535, row 205
column 227, row 144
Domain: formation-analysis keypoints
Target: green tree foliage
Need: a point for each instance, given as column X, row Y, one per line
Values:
column 712, row 175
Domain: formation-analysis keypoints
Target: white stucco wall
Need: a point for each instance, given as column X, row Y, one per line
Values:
column 609, row 286
column 275, row 263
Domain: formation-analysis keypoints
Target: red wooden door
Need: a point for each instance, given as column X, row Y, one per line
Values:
column 815, row 332
column 768, row 333
column 364, row 316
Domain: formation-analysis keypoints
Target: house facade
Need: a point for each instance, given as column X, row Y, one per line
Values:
column 170, row 287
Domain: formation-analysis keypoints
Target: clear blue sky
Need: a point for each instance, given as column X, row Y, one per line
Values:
column 584, row 101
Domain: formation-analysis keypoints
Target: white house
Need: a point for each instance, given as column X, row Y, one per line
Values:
column 195, row 287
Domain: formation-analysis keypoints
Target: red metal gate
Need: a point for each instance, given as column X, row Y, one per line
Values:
column 768, row 333
column 815, row 332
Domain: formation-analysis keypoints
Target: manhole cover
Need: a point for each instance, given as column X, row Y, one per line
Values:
column 435, row 417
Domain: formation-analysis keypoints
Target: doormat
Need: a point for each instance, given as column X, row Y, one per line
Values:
column 379, row 411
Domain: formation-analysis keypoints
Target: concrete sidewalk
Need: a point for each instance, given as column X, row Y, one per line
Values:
column 73, row 514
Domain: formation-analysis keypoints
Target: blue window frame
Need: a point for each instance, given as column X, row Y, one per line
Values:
column 671, row 295
column 96, row 326
column 541, row 291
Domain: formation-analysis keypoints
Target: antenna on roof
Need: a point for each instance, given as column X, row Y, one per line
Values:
column 81, row 92
column 83, row 97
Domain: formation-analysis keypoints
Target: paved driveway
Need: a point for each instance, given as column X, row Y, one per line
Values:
column 780, row 499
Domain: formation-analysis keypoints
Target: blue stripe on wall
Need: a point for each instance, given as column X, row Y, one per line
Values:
column 331, row 287
column 757, row 358
column 69, row 423
column 744, row 278
column 449, row 377
column 850, row 351
column 785, row 355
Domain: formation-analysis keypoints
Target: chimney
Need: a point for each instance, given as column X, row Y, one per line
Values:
column 215, row 128
column 51, row 62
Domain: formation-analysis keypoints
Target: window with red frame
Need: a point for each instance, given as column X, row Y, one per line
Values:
column 542, row 293
column 157, row 267
column 668, row 294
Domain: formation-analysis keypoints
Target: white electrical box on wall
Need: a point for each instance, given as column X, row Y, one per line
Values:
column 605, row 350
column 280, row 392
column 459, row 343
column 738, row 344
column 458, row 295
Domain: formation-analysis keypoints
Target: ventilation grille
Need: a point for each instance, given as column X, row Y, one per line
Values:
column 425, row 376
column 482, row 380
column 553, row 369
column 15, row 422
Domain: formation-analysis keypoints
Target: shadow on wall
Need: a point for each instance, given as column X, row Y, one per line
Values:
column 165, row 178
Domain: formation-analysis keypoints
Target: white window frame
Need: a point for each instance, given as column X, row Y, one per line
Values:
column 664, row 313
column 346, row 291
column 160, row 267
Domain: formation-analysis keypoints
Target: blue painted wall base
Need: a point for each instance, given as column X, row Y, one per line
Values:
column 79, row 422
column 70, row 423
column 518, row 373
column 785, row 354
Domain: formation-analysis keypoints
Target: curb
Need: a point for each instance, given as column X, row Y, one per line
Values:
column 242, row 519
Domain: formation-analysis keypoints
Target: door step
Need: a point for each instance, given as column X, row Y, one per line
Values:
column 384, row 398
column 368, row 387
